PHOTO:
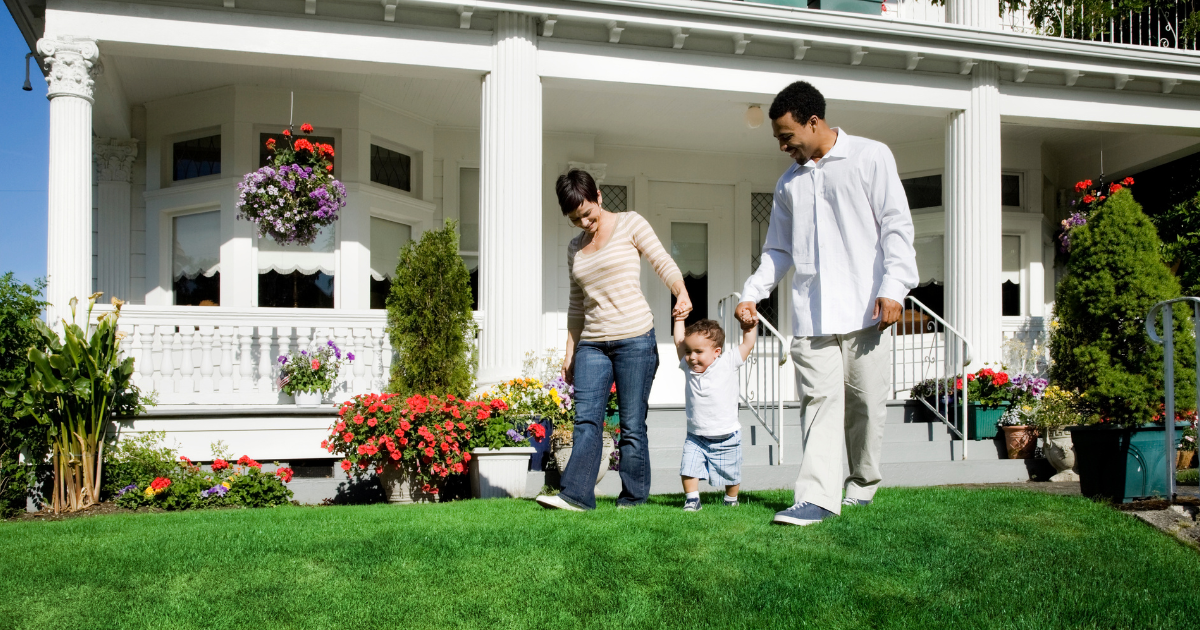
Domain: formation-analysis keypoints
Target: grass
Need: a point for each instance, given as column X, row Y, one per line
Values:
column 1188, row 477
column 918, row 558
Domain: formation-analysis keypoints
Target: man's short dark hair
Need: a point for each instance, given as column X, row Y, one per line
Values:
column 574, row 189
column 801, row 100
column 709, row 329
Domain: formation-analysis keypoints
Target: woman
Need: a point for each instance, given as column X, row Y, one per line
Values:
column 610, row 336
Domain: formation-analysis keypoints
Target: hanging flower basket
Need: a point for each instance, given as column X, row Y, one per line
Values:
column 294, row 196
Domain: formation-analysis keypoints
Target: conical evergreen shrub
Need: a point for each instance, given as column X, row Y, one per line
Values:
column 430, row 320
column 1099, row 345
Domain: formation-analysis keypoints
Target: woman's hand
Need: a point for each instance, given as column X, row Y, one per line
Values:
column 683, row 303
column 568, row 371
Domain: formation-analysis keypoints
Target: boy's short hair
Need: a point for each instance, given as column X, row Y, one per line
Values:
column 709, row 329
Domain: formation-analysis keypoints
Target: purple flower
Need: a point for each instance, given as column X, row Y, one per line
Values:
column 218, row 490
column 330, row 344
column 349, row 356
column 516, row 437
column 304, row 352
column 130, row 488
column 282, row 359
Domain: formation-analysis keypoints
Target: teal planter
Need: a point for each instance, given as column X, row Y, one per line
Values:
column 866, row 7
column 981, row 421
column 1122, row 464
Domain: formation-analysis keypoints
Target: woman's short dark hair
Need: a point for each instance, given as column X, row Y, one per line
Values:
column 574, row 189
column 801, row 100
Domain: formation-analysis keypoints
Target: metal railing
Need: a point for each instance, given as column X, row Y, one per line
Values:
column 930, row 352
column 1167, row 341
column 761, row 377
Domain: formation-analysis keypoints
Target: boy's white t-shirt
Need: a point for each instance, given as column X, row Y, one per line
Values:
column 711, row 397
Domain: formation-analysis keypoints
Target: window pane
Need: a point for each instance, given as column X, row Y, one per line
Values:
column 931, row 262
column 391, row 168
column 1010, row 190
column 196, row 158
column 297, row 276
column 387, row 238
column 689, row 248
column 196, row 259
column 615, row 198
column 923, row 192
column 1010, row 275
column 468, row 209
column 281, row 140
column 760, row 220
column 472, row 263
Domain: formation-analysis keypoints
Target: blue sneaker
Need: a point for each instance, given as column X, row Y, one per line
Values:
column 851, row 502
column 691, row 505
column 802, row 514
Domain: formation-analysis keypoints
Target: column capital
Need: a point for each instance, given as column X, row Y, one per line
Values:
column 114, row 158
column 72, row 65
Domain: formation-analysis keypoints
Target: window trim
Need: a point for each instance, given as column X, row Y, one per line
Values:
column 167, row 163
column 415, row 172
column 166, row 242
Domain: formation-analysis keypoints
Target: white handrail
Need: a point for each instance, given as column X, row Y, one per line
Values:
column 761, row 377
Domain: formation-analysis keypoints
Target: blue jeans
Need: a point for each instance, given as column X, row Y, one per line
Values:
column 632, row 362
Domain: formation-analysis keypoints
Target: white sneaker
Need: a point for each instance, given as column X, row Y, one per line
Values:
column 556, row 503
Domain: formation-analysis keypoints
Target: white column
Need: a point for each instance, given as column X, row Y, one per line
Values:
column 71, row 66
column 972, row 201
column 510, row 204
column 114, row 165
column 981, row 14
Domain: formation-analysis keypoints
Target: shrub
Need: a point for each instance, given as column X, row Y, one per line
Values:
column 20, row 305
column 137, row 460
column 429, row 318
column 1179, row 228
column 1099, row 347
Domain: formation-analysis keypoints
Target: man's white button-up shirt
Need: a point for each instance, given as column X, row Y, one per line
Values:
column 843, row 222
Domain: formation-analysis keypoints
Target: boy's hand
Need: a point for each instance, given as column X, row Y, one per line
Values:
column 747, row 325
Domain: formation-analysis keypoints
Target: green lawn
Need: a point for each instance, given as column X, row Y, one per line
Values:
column 918, row 558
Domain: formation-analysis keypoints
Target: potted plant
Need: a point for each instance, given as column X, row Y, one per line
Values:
column 501, row 459
column 988, row 397
column 413, row 445
column 532, row 402
column 294, row 196
column 1115, row 274
column 308, row 375
column 1058, row 409
column 1187, row 446
column 1020, row 432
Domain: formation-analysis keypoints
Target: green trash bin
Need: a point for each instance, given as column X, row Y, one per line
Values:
column 1123, row 464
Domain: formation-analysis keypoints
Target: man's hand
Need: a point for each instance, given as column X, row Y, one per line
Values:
column 747, row 314
column 890, row 310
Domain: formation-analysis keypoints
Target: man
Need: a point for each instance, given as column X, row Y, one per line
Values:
column 840, row 218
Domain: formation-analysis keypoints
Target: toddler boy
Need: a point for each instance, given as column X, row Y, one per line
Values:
column 713, row 447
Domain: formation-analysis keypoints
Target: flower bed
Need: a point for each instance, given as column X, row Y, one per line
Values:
column 242, row 484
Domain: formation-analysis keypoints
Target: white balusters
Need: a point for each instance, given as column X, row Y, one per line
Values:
column 304, row 338
column 265, row 359
column 359, row 365
column 207, row 386
column 385, row 362
column 285, row 342
column 245, row 360
column 146, row 334
column 344, row 382
column 187, row 385
column 226, row 384
column 135, row 345
column 173, row 351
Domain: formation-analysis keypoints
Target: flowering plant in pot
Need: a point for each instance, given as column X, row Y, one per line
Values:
column 502, row 451
column 413, row 445
column 308, row 374
column 536, row 402
column 295, row 195
column 563, row 439
column 1020, row 433
column 1057, row 409
column 1090, row 195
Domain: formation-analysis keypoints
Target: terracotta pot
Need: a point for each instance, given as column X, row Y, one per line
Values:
column 562, row 455
column 1183, row 459
column 1021, row 441
column 400, row 486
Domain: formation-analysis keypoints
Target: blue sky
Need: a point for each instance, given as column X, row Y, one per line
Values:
column 25, row 117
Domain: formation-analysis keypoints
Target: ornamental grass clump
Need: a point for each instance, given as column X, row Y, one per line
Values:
column 1099, row 347
column 295, row 195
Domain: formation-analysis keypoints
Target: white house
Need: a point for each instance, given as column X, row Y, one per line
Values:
column 444, row 110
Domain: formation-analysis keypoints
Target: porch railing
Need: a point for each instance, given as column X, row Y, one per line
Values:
column 927, row 349
column 1167, row 340
column 762, row 375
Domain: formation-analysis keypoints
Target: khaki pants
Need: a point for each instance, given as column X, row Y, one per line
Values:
column 843, row 383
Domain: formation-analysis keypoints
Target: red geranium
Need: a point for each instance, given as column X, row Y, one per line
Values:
column 285, row 474
column 306, row 128
column 287, row 132
column 1128, row 181
column 219, row 464
column 246, row 461
column 303, row 145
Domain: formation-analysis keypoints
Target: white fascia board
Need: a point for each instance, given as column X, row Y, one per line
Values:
column 1100, row 109
column 197, row 33
column 734, row 74
column 840, row 29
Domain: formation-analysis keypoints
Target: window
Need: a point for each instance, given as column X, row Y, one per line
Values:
column 196, row 259
column 387, row 239
column 689, row 248
column 391, row 168
column 280, row 140
column 1010, row 273
column 196, row 158
column 297, row 276
column 1010, row 190
column 468, row 227
column 615, row 198
column 760, row 220
column 931, row 279
column 923, row 192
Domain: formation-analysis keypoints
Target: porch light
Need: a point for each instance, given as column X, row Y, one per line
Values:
column 754, row 117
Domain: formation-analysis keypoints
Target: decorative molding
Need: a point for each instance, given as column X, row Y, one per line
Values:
column 1071, row 76
column 464, row 16
column 1169, row 84
column 965, row 65
column 389, row 10
column 911, row 60
column 548, row 22
column 71, row 66
column 614, row 31
column 678, row 36
column 856, row 55
column 1120, row 81
column 597, row 171
column 799, row 49
column 740, row 41
column 114, row 159
column 1020, row 72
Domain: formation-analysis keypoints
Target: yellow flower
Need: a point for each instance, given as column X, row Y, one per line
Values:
column 225, row 483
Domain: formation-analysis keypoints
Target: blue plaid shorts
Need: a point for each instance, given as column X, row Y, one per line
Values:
column 717, row 458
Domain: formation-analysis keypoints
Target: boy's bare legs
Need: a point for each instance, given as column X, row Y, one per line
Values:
column 690, row 484
column 732, row 491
